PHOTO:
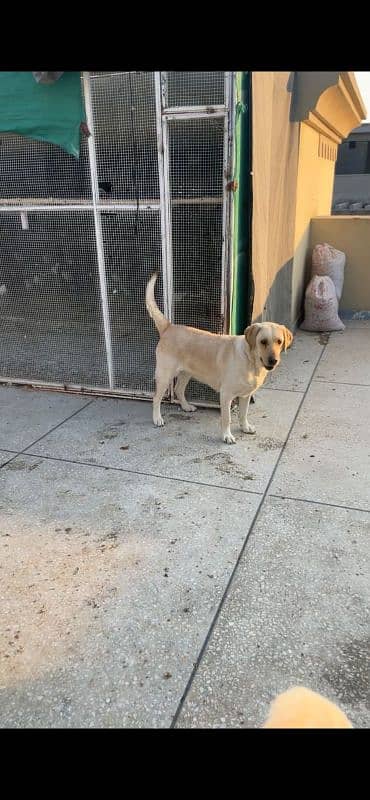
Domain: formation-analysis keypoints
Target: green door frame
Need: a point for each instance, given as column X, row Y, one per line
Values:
column 242, row 294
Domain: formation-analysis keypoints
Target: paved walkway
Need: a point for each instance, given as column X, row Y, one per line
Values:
column 151, row 578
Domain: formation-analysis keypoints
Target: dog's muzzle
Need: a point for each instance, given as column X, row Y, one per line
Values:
column 272, row 362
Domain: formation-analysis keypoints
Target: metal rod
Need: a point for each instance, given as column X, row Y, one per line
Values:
column 118, row 206
column 196, row 201
column 230, row 263
column 94, row 391
column 76, row 388
column 161, row 101
column 115, row 74
column 185, row 112
column 167, row 196
column 227, row 200
column 143, row 206
column 170, row 117
column 61, row 203
column 98, row 228
column 164, row 233
column 226, row 178
column 20, row 208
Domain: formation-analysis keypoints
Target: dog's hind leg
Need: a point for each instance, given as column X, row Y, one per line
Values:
column 225, row 402
column 181, row 384
column 164, row 373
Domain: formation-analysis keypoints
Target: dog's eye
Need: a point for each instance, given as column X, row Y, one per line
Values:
column 279, row 341
column 264, row 342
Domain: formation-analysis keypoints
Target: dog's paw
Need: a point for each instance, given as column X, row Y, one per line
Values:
column 229, row 438
column 248, row 428
column 158, row 422
column 188, row 407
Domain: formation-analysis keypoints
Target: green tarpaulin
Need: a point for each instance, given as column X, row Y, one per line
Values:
column 52, row 113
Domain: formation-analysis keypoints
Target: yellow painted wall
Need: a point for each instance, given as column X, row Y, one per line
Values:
column 274, row 165
column 315, row 181
column 262, row 92
column 293, row 178
column 352, row 235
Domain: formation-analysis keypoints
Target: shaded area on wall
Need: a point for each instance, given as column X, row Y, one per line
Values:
column 276, row 307
column 307, row 89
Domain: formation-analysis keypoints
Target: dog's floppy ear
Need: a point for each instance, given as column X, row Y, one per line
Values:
column 250, row 334
column 288, row 337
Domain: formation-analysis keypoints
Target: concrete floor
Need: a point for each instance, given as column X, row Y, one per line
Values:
column 157, row 577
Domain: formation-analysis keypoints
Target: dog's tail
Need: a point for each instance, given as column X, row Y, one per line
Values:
column 158, row 318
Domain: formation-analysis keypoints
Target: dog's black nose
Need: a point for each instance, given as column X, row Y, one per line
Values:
column 272, row 362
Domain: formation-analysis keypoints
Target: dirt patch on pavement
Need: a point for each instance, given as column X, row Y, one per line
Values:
column 224, row 463
column 54, row 587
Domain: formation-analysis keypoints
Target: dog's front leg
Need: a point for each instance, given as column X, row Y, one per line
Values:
column 243, row 413
column 225, row 401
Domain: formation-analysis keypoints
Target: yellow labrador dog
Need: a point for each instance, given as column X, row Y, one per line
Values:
column 301, row 708
column 234, row 366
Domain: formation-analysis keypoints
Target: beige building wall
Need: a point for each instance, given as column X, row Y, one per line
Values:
column 293, row 165
column 352, row 235
column 274, row 165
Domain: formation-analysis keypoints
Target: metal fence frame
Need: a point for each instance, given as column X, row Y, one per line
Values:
column 164, row 115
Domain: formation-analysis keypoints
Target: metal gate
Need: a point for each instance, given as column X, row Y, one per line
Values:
column 79, row 239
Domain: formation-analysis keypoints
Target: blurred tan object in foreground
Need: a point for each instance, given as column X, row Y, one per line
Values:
column 301, row 708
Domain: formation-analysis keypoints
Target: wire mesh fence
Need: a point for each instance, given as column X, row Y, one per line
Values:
column 50, row 307
column 33, row 171
column 195, row 88
column 132, row 253
column 52, row 295
column 125, row 136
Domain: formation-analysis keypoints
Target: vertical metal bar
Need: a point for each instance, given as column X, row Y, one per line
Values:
column 227, row 201
column 167, row 192
column 98, row 228
column 230, row 263
column 164, row 232
column 165, row 196
column 226, row 178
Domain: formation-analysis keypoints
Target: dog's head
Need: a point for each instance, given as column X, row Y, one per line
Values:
column 267, row 340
